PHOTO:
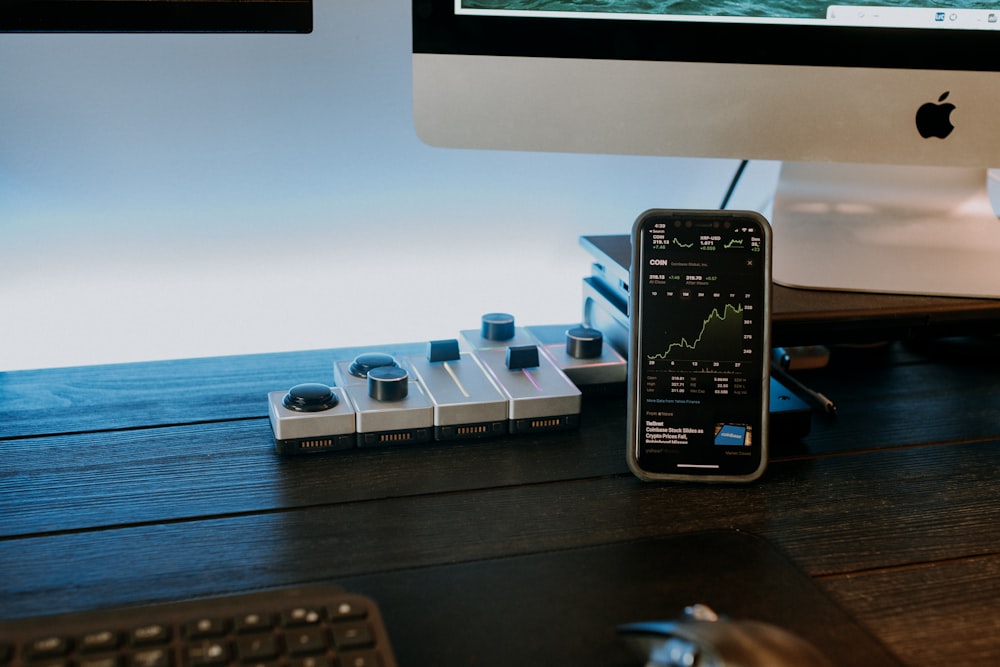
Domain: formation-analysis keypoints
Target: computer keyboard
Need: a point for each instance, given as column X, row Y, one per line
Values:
column 312, row 626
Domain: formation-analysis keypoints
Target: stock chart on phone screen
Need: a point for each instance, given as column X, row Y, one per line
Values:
column 702, row 325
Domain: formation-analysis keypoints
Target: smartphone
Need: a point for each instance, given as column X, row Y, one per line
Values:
column 698, row 364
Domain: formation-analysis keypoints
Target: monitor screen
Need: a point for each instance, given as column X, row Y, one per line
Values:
column 960, row 14
column 797, row 81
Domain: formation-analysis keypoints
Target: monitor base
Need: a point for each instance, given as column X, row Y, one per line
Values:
column 888, row 229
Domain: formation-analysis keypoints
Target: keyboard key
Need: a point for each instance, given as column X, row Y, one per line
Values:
column 354, row 634
column 205, row 627
column 347, row 609
column 360, row 659
column 99, row 660
column 315, row 661
column 255, row 648
column 99, row 640
column 254, row 622
column 48, row 647
column 305, row 641
column 208, row 652
column 151, row 657
column 151, row 633
column 300, row 616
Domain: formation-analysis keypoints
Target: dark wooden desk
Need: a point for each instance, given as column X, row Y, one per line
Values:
column 155, row 481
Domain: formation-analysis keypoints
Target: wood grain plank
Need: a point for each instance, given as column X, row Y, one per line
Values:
column 943, row 613
column 93, row 480
column 88, row 480
column 898, row 396
column 833, row 516
column 96, row 398
column 142, row 475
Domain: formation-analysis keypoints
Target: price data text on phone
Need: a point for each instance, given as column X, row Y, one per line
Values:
column 698, row 361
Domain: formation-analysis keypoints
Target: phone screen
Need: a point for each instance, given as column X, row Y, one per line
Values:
column 700, row 320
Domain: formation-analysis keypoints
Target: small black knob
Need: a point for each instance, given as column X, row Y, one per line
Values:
column 497, row 326
column 363, row 363
column 388, row 383
column 310, row 397
column 584, row 343
column 522, row 356
column 443, row 350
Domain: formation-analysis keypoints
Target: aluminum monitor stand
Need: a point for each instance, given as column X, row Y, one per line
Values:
column 890, row 229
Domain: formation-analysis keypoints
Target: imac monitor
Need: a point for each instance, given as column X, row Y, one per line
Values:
column 886, row 116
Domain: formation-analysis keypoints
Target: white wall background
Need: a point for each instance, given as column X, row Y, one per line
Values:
column 167, row 196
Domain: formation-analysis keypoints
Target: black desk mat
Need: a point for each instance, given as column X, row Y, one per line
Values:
column 562, row 607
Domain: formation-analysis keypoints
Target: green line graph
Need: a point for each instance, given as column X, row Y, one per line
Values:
column 720, row 336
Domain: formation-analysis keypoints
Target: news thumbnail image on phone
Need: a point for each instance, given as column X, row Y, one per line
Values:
column 699, row 339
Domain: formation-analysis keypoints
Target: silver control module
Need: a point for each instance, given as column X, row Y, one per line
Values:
column 587, row 360
column 540, row 396
column 390, row 409
column 467, row 403
column 311, row 417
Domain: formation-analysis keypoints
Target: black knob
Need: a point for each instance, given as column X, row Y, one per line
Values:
column 443, row 350
column 388, row 383
column 584, row 343
column 310, row 397
column 522, row 356
column 497, row 326
column 363, row 363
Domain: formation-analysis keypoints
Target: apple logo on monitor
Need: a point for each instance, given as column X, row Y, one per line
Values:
column 934, row 118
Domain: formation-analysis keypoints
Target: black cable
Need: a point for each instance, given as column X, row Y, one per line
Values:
column 733, row 183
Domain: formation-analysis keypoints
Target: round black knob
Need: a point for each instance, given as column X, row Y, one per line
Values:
column 388, row 383
column 363, row 363
column 497, row 326
column 584, row 343
column 310, row 397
